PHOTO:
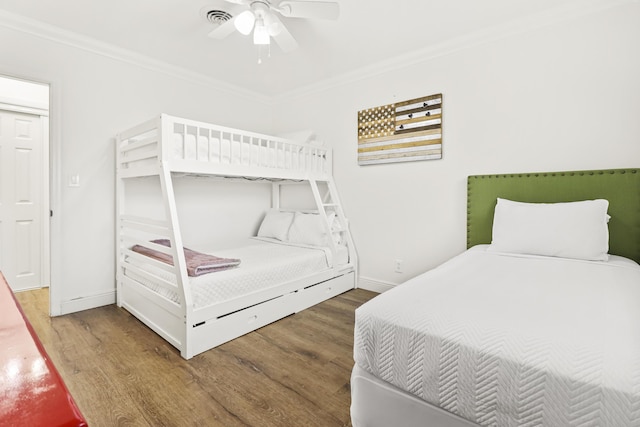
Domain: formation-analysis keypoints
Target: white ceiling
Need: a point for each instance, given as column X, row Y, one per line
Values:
column 366, row 34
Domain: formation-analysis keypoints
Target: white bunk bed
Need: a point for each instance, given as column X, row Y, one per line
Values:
column 162, row 295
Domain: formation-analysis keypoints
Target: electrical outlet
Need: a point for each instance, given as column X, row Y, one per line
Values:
column 74, row 180
column 399, row 265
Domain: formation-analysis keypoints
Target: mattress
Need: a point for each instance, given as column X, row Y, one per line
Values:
column 512, row 340
column 265, row 263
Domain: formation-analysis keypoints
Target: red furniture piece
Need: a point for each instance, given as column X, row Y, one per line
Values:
column 32, row 392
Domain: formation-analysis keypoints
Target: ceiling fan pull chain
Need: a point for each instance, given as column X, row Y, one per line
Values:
column 260, row 52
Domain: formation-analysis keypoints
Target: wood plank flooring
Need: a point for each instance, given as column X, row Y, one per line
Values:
column 294, row 372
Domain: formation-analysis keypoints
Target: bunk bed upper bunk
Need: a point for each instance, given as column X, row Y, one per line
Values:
column 192, row 147
column 158, row 290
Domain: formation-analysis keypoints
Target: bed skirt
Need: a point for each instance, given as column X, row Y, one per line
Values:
column 376, row 403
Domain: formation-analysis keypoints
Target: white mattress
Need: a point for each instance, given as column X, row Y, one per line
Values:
column 264, row 264
column 512, row 340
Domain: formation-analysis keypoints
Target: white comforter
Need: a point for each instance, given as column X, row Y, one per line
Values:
column 511, row 340
column 265, row 263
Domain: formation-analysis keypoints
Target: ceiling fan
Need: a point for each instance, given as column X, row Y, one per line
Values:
column 261, row 17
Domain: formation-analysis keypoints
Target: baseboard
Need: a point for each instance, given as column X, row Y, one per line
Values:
column 85, row 303
column 374, row 285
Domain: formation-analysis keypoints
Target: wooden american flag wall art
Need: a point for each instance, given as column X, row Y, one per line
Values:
column 401, row 132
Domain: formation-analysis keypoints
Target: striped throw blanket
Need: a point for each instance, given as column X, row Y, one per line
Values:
column 198, row 263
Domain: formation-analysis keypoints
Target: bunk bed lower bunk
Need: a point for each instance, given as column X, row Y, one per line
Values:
column 297, row 260
column 538, row 328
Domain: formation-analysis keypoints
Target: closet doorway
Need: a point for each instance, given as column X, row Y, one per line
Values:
column 24, row 183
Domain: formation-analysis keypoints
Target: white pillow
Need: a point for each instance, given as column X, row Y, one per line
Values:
column 307, row 229
column 570, row 230
column 276, row 225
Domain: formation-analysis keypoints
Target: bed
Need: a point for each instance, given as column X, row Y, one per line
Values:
column 197, row 298
column 526, row 327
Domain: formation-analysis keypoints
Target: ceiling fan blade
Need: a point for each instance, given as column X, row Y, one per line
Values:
column 223, row 30
column 283, row 38
column 309, row 9
column 237, row 1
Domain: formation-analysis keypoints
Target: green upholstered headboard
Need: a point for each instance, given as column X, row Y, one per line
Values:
column 621, row 187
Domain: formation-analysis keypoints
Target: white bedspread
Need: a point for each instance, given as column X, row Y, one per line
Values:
column 506, row 340
column 264, row 264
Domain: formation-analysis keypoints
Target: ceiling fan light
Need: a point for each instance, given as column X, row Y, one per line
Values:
column 274, row 27
column 260, row 34
column 244, row 22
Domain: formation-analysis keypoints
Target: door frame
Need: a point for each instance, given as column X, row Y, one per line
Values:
column 51, row 227
column 55, row 199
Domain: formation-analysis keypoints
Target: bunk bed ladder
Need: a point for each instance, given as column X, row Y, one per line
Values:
column 175, row 237
column 330, row 202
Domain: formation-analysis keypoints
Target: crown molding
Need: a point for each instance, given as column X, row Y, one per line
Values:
column 58, row 35
column 553, row 16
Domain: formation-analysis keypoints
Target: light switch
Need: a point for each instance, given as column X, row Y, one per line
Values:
column 74, row 180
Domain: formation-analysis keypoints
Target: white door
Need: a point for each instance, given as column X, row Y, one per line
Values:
column 21, row 207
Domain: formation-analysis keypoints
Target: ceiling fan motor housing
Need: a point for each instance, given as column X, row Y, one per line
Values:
column 260, row 8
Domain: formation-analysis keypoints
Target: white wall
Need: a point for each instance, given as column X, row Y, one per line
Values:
column 558, row 98
column 562, row 97
column 93, row 98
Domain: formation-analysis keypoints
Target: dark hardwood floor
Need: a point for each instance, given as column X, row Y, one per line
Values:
column 294, row 372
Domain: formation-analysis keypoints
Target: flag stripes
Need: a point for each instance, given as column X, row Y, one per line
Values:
column 401, row 132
